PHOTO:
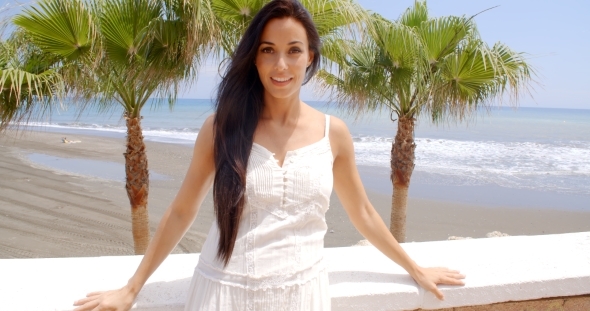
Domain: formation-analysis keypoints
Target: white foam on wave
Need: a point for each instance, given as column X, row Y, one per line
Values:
column 77, row 126
column 184, row 135
column 561, row 166
column 172, row 136
column 504, row 157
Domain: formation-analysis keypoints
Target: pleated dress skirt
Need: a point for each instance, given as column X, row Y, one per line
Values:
column 211, row 295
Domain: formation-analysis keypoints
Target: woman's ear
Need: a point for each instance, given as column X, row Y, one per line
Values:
column 311, row 57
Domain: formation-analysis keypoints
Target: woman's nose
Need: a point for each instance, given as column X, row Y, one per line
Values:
column 281, row 63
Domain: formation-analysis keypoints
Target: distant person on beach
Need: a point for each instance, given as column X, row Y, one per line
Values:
column 272, row 161
column 65, row 140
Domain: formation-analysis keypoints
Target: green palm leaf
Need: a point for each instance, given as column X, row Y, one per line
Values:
column 124, row 26
column 414, row 16
column 28, row 81
column 441, row 36
column 64, row 28
column 514, row 73
column 331, row 15
column 237, row 11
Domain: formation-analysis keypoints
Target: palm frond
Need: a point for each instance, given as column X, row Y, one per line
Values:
column 124, row 25
column 62, row 27
column 515, row 74
column 29, row 83
column 237, row 11
column 22, row 91
column 201, row 29
column 330, row 16
column 414, row 16
column 442, row 36
column 353, row 82
column 476, row 75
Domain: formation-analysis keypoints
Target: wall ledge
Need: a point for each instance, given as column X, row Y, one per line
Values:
column 499, row 270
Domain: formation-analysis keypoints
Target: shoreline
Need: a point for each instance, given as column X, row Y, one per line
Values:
column 46, row 213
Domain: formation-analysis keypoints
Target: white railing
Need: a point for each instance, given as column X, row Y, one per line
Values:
column 502, row 269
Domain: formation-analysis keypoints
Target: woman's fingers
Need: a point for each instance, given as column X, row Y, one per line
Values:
column 83, row 301
column 438, row 294
column 450, row 281
column 447, row 273
column 434, row 289
column 114, row 300
column 446, row 270
column 91, row 305
column 448, row 278
column 454, row 276
column 94, row 294
column 89, row 297
column 430, row 277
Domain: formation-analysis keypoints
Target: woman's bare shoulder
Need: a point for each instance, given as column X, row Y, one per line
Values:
column 206, row 134
column 338, row 127
column 335, row 123
column 340, row 138
column 209, row 122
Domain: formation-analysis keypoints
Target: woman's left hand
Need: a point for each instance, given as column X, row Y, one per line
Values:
column 428, row 278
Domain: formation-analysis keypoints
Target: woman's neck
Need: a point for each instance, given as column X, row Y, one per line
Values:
column 282, row 110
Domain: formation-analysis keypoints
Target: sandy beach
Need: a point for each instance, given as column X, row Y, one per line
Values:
column 49, row 212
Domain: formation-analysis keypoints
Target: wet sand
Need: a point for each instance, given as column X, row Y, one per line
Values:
column 46, row 212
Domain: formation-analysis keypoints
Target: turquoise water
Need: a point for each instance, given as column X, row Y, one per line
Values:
column 101, row 169
column 528, row 148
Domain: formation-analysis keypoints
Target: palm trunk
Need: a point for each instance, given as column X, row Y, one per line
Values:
column 402, row 165
column 137, row 184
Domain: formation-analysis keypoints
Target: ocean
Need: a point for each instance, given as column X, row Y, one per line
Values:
column 546, row 151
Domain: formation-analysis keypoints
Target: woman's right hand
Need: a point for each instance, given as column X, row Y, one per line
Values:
column 114, row 300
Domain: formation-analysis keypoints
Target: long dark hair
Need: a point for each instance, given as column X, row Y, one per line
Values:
column 238, row 107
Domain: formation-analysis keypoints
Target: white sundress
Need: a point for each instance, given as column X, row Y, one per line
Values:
column 277, row 262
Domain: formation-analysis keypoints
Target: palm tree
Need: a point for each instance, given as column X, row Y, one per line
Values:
column 416, row 65
column 123, row 52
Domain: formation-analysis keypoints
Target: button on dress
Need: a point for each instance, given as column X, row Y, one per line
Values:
column 277, row 262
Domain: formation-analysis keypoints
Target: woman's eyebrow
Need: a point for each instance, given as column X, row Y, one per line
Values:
column 290, row 43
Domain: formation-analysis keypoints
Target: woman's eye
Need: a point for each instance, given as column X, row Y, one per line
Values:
column 295, row 51
column 266, row 50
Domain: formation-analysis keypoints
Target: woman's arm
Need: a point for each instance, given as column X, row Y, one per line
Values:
column 367, row 221
column 176, row 220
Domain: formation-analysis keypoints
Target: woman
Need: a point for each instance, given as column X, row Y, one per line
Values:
column 272, row 161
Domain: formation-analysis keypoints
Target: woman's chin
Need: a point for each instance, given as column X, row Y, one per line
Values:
column 282, row 93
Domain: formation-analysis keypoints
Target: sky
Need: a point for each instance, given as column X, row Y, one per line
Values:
column 554, row 35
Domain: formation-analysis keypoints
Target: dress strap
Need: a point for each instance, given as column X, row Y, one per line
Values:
column 327, row 129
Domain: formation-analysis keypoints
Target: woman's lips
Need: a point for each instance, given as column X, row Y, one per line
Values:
column 280, row 81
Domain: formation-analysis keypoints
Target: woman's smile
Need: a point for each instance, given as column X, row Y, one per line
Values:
column 280, row 81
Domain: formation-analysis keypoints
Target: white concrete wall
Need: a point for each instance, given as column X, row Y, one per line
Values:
column 361, row 278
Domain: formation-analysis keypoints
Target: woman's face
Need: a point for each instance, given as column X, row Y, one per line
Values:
column 282, row 57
